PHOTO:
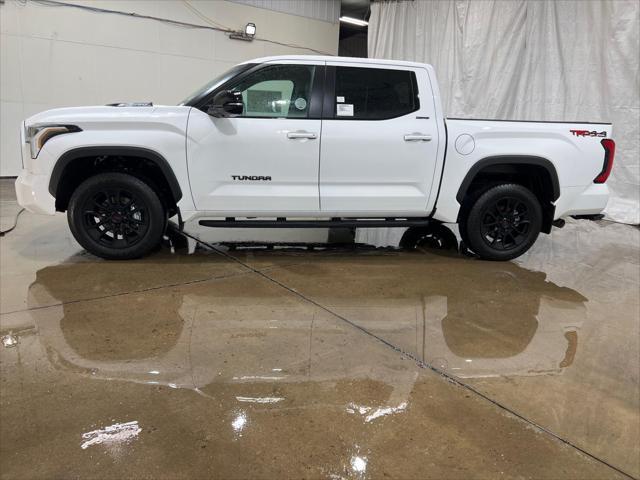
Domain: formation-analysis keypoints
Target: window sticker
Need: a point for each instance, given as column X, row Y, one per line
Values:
column 339, row 99
column 344, row 110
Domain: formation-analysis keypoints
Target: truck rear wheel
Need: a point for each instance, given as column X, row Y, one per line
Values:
column 503, row 222
column 116, row 216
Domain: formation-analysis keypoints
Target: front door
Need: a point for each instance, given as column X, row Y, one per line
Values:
column 379, row 140
column 267, row 159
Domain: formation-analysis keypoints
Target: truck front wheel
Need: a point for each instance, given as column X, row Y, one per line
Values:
column 503, row 222
column 116, row 216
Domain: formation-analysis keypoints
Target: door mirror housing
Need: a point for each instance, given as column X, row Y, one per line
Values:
column 226, row 103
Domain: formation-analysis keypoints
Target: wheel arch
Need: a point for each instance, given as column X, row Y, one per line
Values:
column 505, row 160
column 535, row 172
column 58, row 185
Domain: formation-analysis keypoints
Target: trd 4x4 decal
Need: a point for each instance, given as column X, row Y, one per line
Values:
column 587, row 133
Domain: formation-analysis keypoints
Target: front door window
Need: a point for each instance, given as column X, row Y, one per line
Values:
column 277, row 91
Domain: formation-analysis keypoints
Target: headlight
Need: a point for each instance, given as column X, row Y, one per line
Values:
column 37, row 135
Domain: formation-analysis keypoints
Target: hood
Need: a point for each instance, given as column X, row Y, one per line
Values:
column 117, row 113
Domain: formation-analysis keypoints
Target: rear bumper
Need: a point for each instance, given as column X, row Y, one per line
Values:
column 33, row 194
column 582, row 200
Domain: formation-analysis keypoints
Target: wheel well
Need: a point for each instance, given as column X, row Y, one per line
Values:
column 81, row 168
column 537, row 178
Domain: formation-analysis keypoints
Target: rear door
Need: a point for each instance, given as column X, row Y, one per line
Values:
column 265, row 160
column 379, row 139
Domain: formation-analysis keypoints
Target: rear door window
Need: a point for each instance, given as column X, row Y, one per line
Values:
column 374, row 93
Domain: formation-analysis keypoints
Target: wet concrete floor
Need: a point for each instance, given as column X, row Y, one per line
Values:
column 332, row 363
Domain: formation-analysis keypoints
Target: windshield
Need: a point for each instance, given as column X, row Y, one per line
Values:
column 213, row 84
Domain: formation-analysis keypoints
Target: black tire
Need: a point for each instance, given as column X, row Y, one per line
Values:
column 435, row 236
column 116, row 216
column 502, row 223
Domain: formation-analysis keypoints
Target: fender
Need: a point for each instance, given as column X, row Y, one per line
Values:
column 513, row 160
column 139, row 152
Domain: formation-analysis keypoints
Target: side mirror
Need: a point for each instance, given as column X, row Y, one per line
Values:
column 226, row 104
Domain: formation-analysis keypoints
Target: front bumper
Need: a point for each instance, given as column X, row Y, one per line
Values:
column 33, row 194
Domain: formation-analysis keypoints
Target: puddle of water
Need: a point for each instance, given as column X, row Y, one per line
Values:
column 377, row 413
column 260, row 399
column 116, row 434
column 9, row 341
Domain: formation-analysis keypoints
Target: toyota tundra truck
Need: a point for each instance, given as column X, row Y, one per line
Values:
column 310, row 141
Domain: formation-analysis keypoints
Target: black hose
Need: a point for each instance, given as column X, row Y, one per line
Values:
column 15, row 224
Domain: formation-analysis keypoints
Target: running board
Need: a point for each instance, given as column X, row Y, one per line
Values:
column 231, row 222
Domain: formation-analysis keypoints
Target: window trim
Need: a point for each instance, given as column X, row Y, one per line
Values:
column 315, row 106
column 329, row 104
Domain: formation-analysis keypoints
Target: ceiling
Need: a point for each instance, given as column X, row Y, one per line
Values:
column 355, row 8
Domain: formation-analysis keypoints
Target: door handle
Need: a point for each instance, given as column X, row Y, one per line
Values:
column 417, row 137
column 294, row 135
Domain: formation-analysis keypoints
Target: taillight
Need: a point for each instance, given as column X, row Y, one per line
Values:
column 609, row 152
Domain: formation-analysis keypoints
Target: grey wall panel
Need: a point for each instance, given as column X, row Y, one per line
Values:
column 325, row 10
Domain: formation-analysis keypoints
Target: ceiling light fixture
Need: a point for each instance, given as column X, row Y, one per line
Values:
column 354, row 21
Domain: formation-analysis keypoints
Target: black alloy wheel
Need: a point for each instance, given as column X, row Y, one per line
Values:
column 505, row 223
column 116, row 216
column 502, row 223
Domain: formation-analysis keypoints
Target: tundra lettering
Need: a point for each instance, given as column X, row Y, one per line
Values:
column 250, row 177
column 336, row 157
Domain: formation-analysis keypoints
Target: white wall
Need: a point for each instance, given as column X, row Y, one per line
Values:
column 60, row 56
column 328, row 10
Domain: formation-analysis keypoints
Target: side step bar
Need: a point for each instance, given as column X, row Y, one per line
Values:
column 231, row 222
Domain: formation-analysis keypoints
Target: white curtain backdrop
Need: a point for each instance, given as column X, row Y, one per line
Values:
column 527, row 60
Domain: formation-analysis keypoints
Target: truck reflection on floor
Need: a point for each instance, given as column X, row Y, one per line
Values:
column 528, row 340
column 469, row 318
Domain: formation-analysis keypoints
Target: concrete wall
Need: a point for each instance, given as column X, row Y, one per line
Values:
column 61, row 56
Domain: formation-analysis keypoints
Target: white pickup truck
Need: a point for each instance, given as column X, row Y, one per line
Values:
column 310, row 141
